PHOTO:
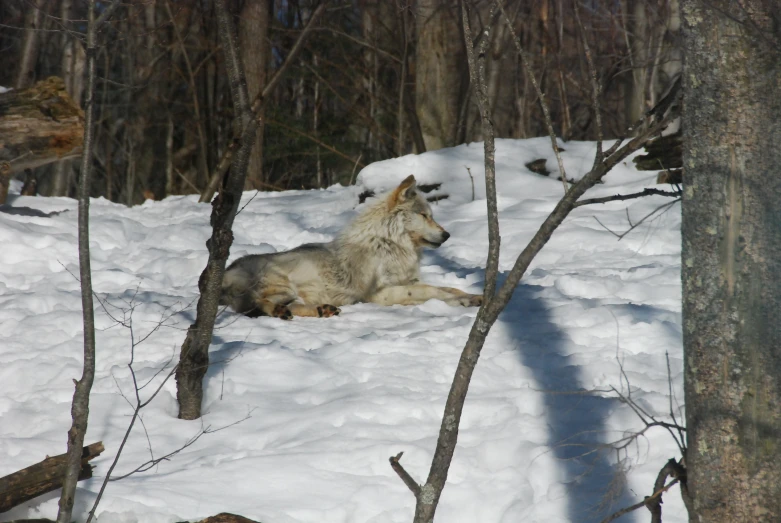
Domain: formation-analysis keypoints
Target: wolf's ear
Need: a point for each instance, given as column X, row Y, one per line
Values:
column 407, row 188
column 405, row 191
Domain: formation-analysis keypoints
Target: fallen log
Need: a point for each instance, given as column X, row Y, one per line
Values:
column 43, row 477
column 39, row 125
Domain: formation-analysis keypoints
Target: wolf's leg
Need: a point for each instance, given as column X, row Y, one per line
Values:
column 273, row 301
column 314, row 311
column 420, row 292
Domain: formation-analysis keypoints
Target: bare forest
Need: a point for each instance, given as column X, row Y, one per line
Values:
column 372, row 79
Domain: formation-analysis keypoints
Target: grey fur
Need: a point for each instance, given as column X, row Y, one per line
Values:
column 376, row 258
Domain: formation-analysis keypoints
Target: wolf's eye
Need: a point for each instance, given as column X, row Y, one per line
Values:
column 424, row 215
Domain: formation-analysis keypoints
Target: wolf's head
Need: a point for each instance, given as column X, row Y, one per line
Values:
column 417, row 218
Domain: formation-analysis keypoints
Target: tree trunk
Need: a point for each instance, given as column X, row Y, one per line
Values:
column 439, row 70
column 72, row 72
column 731, row 260
column 25, row 72
column 255, row 53
column 80, row 404
column 194, row 358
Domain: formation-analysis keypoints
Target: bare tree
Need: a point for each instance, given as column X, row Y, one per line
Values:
column 428, row 494
column 194, row 358
column 80, row 405
column 731, row 259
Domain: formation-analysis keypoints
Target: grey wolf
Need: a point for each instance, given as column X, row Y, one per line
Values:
column 375, row 259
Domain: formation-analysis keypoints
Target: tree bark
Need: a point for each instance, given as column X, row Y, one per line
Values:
column 731, row 260
column 439, row 71
column 255, row 53
column 45, row 476
column 39, row 125
column 194, row 358
column 72, row 72
column 226, row 160
column 80, row 405
column 25, row 72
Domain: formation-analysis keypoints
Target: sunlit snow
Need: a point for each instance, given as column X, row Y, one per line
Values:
column 313, row 408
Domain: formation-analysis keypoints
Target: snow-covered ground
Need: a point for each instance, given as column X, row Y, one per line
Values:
column 313, row 408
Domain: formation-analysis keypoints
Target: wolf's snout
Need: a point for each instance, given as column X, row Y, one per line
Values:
column 445, row 236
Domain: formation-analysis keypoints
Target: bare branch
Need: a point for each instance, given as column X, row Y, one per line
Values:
column 632, row 196
column 633, row 226
column 315, row 140
column 403, row 474
column 639, row 504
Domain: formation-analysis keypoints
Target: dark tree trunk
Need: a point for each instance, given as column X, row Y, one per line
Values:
column 72, row 72
column 194, row 358
column 255, row 53
column 25, row 73
column 731, row 259
column 440, row 60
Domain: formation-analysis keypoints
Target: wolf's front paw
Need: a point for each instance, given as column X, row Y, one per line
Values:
column 475, row 300
column 326, row 311
column 468, row 300
column 282, row 312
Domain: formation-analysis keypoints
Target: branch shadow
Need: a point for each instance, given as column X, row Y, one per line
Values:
column 595, row 485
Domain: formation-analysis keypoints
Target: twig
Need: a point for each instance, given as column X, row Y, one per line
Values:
column 315, row 140
column 472, row 179
column 643, row 219
column 153, row 462
column 355, row 167
column 248, row 202
column 639, row 504
column 403, row 474
column 682, row 440
column 632, row 196
column 188, row 182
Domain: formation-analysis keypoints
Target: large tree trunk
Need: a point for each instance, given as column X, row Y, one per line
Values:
column 255, row 53
column 440, row 67
column 732, row 260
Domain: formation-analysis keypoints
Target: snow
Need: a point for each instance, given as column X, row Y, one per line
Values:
column 311, row 410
